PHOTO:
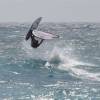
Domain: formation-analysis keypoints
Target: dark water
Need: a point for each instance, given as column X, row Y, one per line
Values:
column 62, row 69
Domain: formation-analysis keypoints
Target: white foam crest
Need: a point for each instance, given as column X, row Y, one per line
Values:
column 63, row 61
column 12, row 36
column 85, row 74
column 64, row 56
column 44, row 98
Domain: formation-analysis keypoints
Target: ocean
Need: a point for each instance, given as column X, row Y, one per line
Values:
column 67, row 68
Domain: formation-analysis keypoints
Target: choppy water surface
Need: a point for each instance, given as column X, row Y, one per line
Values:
column 62, row 69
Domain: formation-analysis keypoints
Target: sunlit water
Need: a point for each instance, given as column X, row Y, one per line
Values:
column 67, row 68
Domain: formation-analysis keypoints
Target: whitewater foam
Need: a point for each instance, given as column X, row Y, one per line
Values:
column 65, row 62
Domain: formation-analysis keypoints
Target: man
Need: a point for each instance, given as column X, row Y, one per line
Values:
column 34, row 42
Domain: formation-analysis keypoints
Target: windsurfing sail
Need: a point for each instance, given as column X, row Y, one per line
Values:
column 39, row 34
column 34, row 26
column 44, row 35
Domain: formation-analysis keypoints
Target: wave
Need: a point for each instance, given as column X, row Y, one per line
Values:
column 61, row 57
column 61, row 61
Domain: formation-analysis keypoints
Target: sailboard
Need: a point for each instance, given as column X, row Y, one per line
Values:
column 34, row 26
column 39, row 34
